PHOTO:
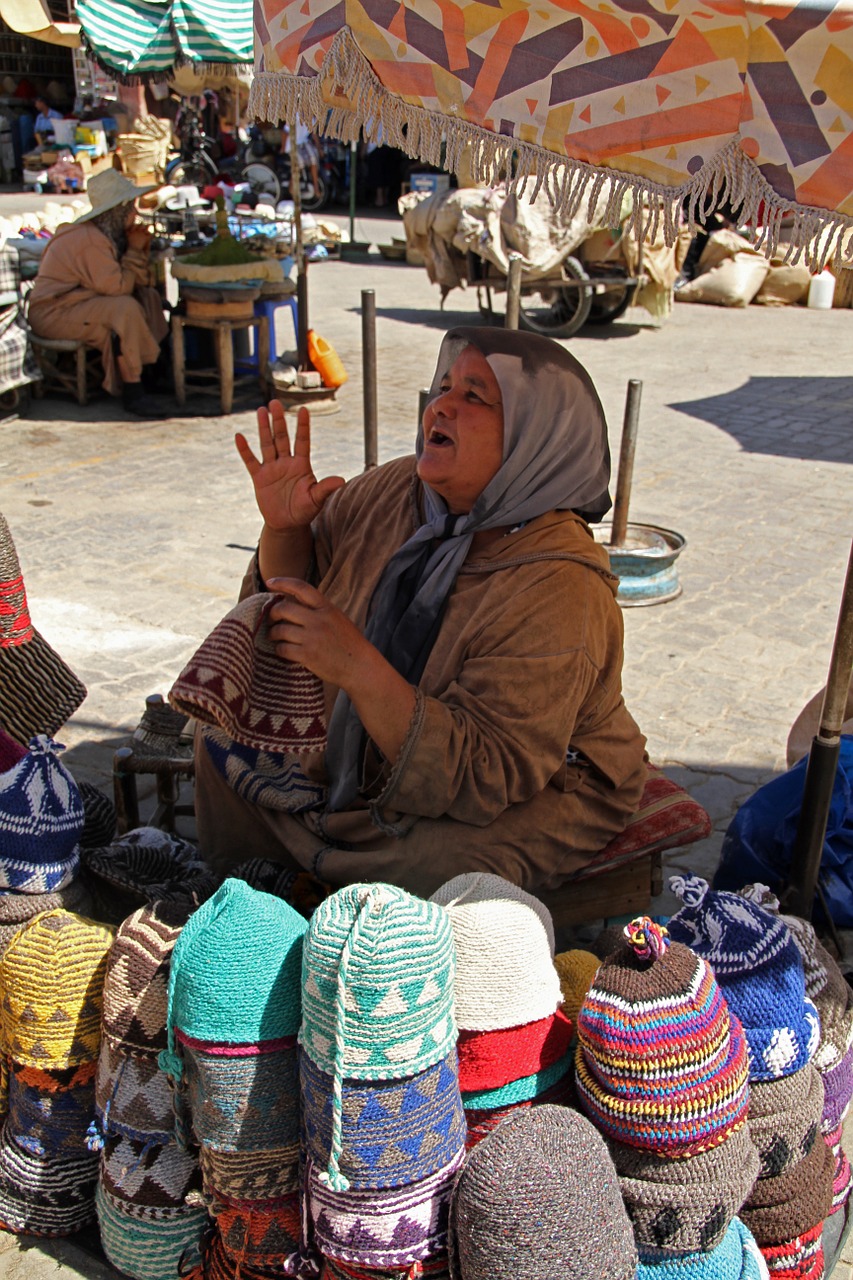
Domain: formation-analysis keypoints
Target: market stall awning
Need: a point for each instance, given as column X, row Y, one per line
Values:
column 748, row 100
column 146, row 38
column 33, row 18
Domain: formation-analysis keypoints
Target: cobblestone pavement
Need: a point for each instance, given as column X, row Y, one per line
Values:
column 133, row 535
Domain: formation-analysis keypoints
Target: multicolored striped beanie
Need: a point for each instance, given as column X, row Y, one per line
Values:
column 504, row 939
column 52, row 980
column 538, row 1199
column 17, row 908
column 234, row 977
column 758, row 966
column 661, row 1062
column 792, row 1203
column 41, row 820
column 797, row 1258
column 377, row 988
column 685, row 1206
column 736, row 1257
column 146, row 865
column 576, row 970
column 784, row 1118
column 40, row 1197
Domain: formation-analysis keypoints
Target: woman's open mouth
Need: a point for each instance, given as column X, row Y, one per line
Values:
column 438, row 438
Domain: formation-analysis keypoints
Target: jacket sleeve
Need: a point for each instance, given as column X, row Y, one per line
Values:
column 499, row 733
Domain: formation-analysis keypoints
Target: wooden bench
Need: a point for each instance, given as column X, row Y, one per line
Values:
column 67, row 364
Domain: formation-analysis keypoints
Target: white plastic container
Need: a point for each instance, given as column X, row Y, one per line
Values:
column 821, row 291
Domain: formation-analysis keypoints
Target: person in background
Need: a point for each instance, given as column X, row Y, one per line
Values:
column 306, row 148
column 43, row 122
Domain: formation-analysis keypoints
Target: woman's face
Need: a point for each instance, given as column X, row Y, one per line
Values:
column 463, row 432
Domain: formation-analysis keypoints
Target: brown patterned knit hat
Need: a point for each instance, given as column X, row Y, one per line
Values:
column 780, row 1208
column 784, row 1118
column 237, row 682
column 685, row 1206
column 250, row 1177
column 137, row 977
column 538, row 1199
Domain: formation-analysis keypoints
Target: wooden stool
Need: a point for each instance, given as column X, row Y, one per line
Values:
column 162, row 746
column 224, row 371
column 80, row 374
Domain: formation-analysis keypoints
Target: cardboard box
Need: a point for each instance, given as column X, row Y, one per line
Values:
column 429, row 182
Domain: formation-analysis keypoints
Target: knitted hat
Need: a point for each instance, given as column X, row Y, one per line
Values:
column 393, row 1132
column 760, row 969
column 386, row 1228
column 736, row 1257
column 782, row 1207
column 147, row 865
column 302, row 890
column 825, row 983
column 538, row 1199
column 576, row 970
column 39, row 1197
column 235, row 972
column 491, row 1059
column 504, row 939
column 843, row 1177
column 219, row 1263
column 17, row 908
column 41, row 818
column 837, row 1092
column 482, row 1120
column 800, row 1258
column 11, row 752
column 132, row 1098
column 100, row 817
column 137, row 979
column 661, row 1063
column 242, row 1102
column 250, row 1177
column 377, row 990
column 236, row 681
column 261, row 1236
column 523, row 1090
column 271, row 779
column 38, row 692
column 784, row 1118
column 430, row 1269
column 52, row 980
column 152, row 1246
column 147, row 1175
column 48, row 1123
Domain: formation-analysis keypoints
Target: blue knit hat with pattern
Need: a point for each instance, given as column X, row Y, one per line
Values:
column 759, row 968
column 235, row 972
column 41, row 821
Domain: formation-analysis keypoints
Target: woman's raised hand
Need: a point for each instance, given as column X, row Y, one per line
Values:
column 287, row 492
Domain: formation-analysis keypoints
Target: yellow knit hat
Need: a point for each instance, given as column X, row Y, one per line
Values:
column 52, row 983
column 576, row 970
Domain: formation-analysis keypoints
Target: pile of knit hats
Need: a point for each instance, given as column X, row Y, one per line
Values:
column 384, row 1128
column 148, row 1229
column 51, row 980
column 146, row 865
column 662, row 1072
column 514, row 1040
column 760, row 969
column 234, row 1012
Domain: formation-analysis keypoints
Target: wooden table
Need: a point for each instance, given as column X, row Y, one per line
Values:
column 224, row 371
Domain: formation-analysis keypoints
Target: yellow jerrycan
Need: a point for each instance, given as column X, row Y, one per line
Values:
column 326, row 360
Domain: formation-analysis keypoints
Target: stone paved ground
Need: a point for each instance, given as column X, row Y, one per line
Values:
column 133, row 535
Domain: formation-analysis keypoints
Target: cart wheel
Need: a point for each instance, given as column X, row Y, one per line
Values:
column 314, row 198
column 614, row 301
column 192, row 173
column 262, row 179
column 558, row 312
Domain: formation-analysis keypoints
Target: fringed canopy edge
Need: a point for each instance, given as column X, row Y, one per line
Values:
column 348, row 101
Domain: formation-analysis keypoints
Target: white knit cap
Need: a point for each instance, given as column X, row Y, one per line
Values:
column 504, row 938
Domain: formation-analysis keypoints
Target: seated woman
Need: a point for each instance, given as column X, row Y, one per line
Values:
column 464, row 623
column 92, row 285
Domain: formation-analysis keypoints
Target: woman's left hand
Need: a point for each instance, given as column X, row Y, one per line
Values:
column 306, row 628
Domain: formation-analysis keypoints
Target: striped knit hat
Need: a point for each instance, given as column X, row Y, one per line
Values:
column 758, row 966
column 249, row 1178
column 100, row 817
column 504, row 939
column 661, row 1063
column 235, row 972
column 538, row 1199
column 147, row 865
column 17, row 908
column 736, row 1257
column 52, row 980
column 137, row 979
column 799, row 1258
column 149, row 1245
column 41, row 820
column 377, row 990
column 40, row 1197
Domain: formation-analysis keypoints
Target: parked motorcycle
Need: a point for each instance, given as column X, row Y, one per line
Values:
column 270, row 177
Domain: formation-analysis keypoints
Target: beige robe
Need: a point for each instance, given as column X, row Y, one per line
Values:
column 527, row 663
column 83, row 290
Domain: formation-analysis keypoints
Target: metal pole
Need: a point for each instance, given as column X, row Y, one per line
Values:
column 513, row 291
column 627, row 452
column 302, row 361
column 823, row 762
column 353, row 156
column 368, row 356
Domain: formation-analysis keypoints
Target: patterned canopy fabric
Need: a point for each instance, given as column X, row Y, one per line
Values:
column 750, row 101
column 139, row 38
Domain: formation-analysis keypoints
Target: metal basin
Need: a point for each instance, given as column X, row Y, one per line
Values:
column 645, row 563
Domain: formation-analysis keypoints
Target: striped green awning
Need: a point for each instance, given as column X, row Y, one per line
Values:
column 140, row 38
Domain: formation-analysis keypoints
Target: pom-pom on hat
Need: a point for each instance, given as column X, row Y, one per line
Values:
column 538, row 1199
column 235, row 971
column 760, row 969
column 41, row 820
column 504, row 937
column 736, row 1257
column 661, row 1063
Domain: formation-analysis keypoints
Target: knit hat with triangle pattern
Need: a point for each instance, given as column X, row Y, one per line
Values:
column 41, row 821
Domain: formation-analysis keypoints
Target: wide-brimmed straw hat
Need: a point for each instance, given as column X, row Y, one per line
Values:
column 108, row 189
column 38, row 692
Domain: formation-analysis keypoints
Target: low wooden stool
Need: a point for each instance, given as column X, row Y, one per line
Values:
column 162, row 746
column 224, row 330
column 81, row 373
column 624, row 877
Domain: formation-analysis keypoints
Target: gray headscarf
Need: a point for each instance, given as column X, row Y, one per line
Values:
column 555, row 458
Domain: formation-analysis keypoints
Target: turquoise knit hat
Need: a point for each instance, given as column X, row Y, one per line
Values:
column 736, row 1257
column 235, row 972
column 377, row 990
